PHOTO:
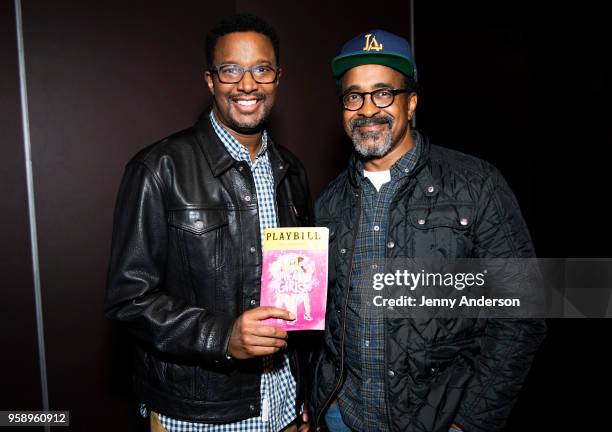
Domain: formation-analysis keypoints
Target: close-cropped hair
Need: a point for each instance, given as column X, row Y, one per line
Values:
column 240, row 23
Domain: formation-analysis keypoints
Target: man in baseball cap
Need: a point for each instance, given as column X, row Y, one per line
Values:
column 402, row 197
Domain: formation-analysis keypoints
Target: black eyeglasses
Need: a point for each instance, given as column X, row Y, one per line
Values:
column 233, row 73
column 382, row 98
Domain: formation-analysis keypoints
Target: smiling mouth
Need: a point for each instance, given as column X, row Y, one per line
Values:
column 246, row 106
column 248, row 102
column 373, row 126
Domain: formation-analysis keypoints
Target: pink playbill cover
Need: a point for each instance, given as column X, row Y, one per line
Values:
column 294, row 276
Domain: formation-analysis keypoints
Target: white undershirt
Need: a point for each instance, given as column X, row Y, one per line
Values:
column 378, row 178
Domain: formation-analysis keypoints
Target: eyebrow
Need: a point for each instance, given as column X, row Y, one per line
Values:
column 379, row 85
column 257, row 62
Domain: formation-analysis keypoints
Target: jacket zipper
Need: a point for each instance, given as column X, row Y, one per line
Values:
column 343, row 316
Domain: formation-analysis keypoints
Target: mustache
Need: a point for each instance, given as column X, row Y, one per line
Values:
column 359, row 122
column 257, row 95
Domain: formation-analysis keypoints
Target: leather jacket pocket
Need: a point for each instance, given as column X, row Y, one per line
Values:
column 201, row 236
column 197, row 221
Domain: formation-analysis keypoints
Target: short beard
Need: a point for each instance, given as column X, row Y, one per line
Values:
column 253, row 126
column 384, row 138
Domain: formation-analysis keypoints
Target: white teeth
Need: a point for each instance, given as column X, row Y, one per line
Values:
column 247, row 102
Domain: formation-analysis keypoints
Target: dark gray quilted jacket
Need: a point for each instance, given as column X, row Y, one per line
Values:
column 466, row 371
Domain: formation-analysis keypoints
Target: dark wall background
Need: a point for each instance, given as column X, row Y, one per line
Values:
column 22, row 389
column 525, row 86
column 520, row 84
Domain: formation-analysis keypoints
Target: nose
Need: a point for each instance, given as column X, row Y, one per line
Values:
column 368, row 109
column 247, row 84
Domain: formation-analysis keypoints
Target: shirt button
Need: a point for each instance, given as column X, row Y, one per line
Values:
column 374, row 266
column 391, row 373
column 406, row 170
column 252, row 407
column 367, row 343
column 421, row 221
column 342, row 251
column 376, row 228
column 463, row 221
column 247, row 198
column 390, row 245
column 430, row 189
column 280, row 167
column 252, row 249
column 199, row 224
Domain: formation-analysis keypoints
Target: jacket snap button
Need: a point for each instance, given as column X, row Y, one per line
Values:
column 342, row 251
column 252, row 302
column 390, row 245
column 247, row 198
column 421, row 221
column 240, row 168
column 430, row 189
column 199, row 224
column 252, row 249
column 391, row 373
column 463, row 221
column 433, row 369
column 252, row 407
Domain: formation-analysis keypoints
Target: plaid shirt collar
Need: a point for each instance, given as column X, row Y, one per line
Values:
column 234, row 148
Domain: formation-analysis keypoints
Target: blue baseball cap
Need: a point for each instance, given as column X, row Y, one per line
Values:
column 375, row 47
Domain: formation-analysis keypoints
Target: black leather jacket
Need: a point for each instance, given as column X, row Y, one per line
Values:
column 441, row 371
column 186, row 262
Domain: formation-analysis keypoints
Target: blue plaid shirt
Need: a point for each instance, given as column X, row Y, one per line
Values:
column 361, row 399
column 278, row 388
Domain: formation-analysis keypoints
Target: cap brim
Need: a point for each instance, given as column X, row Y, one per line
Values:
column 341, row 64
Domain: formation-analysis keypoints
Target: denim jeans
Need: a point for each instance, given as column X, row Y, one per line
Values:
column 333, row 418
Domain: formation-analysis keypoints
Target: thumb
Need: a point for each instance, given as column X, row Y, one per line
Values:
column 264, row 312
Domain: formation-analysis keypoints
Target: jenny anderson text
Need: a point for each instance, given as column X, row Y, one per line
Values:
column 464, row 301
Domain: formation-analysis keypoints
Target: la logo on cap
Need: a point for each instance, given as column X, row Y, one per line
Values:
column 371, row 44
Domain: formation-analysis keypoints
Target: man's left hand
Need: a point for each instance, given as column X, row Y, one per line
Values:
column 305, row 427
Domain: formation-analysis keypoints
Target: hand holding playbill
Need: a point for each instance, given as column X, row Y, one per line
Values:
column 250, row 338
column 294, row 276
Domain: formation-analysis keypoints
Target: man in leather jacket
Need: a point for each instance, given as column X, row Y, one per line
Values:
column 404, row 197
column 185, row 268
